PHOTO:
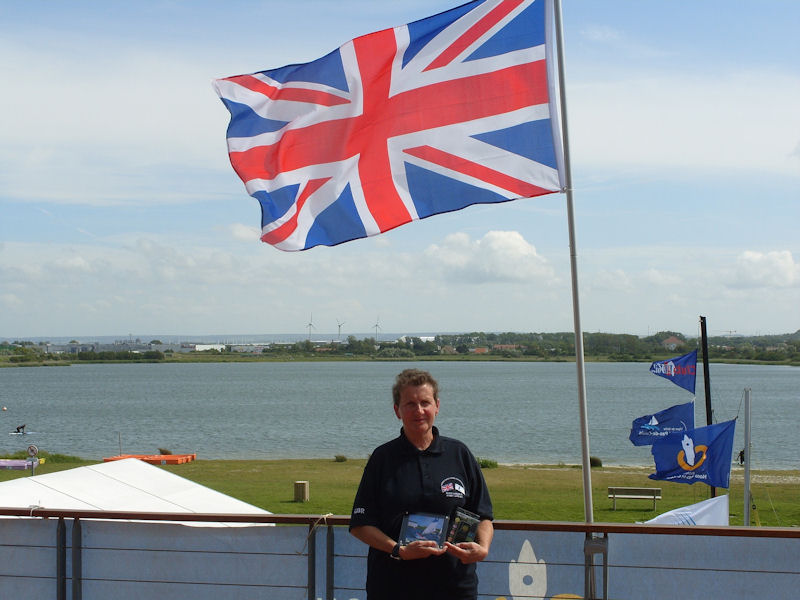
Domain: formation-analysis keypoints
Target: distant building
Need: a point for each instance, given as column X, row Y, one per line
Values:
column 502, row 347
column 672, row 342
column 249, row 348
column 202, row 347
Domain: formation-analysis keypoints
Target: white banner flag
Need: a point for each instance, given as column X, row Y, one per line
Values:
column 713, row 511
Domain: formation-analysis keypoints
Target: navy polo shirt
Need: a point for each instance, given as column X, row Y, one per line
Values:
column 399, row 478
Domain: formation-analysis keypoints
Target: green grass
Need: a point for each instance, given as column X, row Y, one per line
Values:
column 537, row 493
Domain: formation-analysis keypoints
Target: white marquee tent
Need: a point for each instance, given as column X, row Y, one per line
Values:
column 122, row 485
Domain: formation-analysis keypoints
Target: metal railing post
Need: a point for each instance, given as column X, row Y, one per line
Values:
column 77, row 558
column 591, row 546
column 330, row 583
column 312, row 562
column 61, row 560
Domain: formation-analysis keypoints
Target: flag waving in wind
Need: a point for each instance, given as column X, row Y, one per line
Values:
column 703, row 454
column 681, row 370
column 649, row 428
column 399, row 125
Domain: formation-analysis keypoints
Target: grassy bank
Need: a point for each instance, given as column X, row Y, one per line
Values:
column 519, row 492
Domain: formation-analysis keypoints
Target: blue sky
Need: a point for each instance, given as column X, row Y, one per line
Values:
column 120, row 213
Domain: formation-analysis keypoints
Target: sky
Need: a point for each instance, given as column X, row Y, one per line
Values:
column 121, row 215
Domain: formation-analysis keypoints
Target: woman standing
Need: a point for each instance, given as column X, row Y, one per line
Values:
column 420, row 472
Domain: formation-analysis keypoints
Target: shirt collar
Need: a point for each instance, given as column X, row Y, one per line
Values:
column 434, row 448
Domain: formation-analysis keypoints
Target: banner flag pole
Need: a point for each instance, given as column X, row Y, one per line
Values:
column 573, row 256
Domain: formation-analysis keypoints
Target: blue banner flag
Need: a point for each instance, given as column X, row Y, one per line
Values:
column 702, row 454
column 649, row 428
column 681, row 370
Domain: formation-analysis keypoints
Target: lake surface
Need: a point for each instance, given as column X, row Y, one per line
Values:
column 508, row 412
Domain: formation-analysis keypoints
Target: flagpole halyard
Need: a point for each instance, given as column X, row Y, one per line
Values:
column 573, row 257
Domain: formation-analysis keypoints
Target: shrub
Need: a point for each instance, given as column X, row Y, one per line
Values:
column 486, row 463
column 340, row 458
column 594, row 461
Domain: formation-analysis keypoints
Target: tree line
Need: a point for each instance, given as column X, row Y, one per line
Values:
column 550, row 346
column 30, row 354
column 506, row 345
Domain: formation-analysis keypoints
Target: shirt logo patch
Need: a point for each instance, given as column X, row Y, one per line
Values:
column 453, row 487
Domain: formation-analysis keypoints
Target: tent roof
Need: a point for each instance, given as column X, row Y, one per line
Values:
column 121, row 485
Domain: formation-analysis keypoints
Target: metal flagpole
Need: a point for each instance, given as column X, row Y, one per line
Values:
column 747, row 434
column 706, row 381
column 573, row 256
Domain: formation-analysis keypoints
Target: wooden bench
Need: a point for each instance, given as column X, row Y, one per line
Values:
column 634, row 493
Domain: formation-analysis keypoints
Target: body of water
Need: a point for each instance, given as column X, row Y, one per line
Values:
column 508, row 412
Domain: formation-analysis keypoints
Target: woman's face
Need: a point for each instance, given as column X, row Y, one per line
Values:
column 417, row 409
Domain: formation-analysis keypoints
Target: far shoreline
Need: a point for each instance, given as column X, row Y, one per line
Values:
column 233, row 358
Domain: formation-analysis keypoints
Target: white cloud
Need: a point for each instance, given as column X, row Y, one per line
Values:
column 10, row 301
column 611, row 38
column 499, row 256
column 160, row 285
column 611, row 279
column 745, row 291
column 108, row 129
column 71, row 264
column 663, row 278
column 499, row 281
column 746, row 121
column 243, row 233
column 766, row 270
column 600, row 33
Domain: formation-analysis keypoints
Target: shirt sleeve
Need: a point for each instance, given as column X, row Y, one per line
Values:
column 480, row 502
column 366, row 506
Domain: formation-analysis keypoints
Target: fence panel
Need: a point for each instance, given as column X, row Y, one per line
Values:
column 28, row 558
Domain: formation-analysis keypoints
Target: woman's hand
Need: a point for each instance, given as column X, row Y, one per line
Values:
column 467, row 552
column 420, row 549
column 472, row 552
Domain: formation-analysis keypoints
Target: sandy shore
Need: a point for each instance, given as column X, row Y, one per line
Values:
column 737, row 472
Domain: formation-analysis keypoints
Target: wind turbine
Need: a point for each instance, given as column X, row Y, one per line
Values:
column 377, row 327
column 310, row 326
column 340, row 323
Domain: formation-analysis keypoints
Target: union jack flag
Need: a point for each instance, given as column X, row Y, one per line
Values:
column 399, row 125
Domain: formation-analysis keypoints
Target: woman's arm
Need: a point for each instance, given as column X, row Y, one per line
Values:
column 373, row 537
